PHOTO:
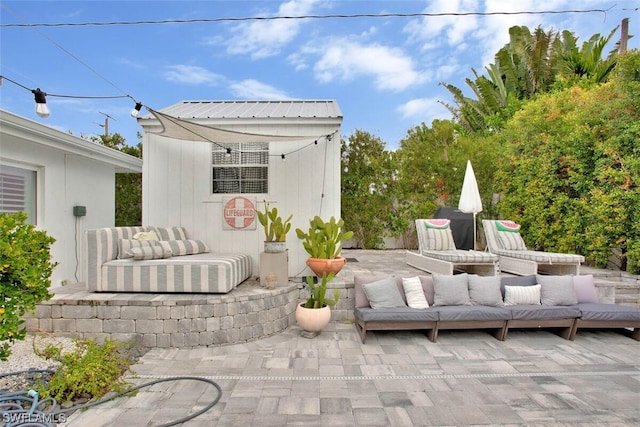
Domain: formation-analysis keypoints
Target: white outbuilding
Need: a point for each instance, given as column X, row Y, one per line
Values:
column 209, row 165
column 65, row 184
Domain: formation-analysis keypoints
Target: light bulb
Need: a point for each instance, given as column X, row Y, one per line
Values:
column 41, row 103
column 42, row 110
column 136, row 110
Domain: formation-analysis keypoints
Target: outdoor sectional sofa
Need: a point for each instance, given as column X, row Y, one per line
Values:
column 130, row 259
column 560, row 303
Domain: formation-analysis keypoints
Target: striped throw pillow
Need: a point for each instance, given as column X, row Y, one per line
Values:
column 184, row 247
column 438, row 235
column 149, row 252
column 170, row 233
column 511, row 241
column 522, row 295
column 125, row 245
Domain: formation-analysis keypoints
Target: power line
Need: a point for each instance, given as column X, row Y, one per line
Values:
column 2, row 77
column 62, row 48
column 273, row 18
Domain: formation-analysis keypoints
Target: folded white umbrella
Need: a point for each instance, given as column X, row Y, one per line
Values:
column 470, row 201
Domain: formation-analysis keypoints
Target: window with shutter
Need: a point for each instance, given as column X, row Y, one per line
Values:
column 18, row 191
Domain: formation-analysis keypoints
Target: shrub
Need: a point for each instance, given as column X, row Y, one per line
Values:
column 89, row 371
column 25, row 275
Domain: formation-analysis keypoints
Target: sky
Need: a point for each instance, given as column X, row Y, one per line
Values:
column 384, row 72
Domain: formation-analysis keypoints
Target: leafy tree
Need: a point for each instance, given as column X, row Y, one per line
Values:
column 25, row 275
column 573, row 175
column 432, row 162
column 128, row 185
column 531, row 63
column 368, row 189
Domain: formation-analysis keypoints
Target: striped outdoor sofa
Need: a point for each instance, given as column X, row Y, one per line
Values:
column 109, row 269
column 517, row 259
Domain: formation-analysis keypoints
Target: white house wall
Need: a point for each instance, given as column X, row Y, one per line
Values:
column 64, row 181
column 177, row 185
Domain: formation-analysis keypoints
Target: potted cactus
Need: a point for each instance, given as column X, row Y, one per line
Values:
column 275, row 229
column 314, row 314
column 323, row 243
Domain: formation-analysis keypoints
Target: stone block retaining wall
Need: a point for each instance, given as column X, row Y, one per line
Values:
column 248, row 313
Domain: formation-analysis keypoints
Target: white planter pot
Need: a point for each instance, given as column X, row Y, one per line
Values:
column 313, row 319
column 275, row 247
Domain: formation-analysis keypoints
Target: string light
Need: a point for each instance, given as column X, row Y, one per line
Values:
column 283, row 159
column 136, row 110
column 41, row 103
column 228, row 155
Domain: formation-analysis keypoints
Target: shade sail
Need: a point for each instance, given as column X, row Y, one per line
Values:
column 174, row 127
column 470, row 200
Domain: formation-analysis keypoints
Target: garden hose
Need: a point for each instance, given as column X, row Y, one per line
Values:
column 25, row 409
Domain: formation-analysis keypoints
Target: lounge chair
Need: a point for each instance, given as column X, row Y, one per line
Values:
column 437, row 252
column 504, row 240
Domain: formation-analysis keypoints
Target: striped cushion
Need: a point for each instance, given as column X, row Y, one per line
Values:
column 522, row 295
column 461, row 257
column 543, row 257
column 201, row 273
column 434, row 237
column 149, row 252
column 125, row 245
column 511, row 241
column 170, row 233
column 184, row 247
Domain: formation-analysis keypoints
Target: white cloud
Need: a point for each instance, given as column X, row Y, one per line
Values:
column 191, row 74
column 261, row 39
column 390, row 67
column 423, row 109
column 253, row 89
column 481, row 35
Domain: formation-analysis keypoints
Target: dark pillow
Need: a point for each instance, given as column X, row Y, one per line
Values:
column 517, row 281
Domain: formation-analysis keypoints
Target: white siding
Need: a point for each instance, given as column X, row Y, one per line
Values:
column 64, row 181
column 71, row 172
column 177, row 185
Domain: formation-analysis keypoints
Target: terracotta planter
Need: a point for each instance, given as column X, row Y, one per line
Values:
column 313, row 319
column 321, row 265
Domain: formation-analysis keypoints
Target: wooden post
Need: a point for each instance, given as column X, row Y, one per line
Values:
column 624, row 35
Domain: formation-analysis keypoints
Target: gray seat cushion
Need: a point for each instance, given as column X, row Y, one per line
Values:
column 471, row 312
column 402, row 314
column 609, row 312
column 543, row 312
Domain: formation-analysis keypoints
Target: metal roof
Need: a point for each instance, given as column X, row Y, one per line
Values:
column 254, row 109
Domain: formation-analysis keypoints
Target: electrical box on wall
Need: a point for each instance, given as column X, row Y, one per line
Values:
column 79, row 210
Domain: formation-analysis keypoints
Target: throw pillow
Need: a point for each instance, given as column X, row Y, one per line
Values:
column 485, row 290
column 522, row 295
column 184, row 247
column 125, row 245
column 557, row 290
column 511, row 241
column 585, row 288
column 384, row 294
column 438, row 233
column 414, row 293
column 450, row 290
column 149, row 252
column 170, row 233
column 146, row 235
